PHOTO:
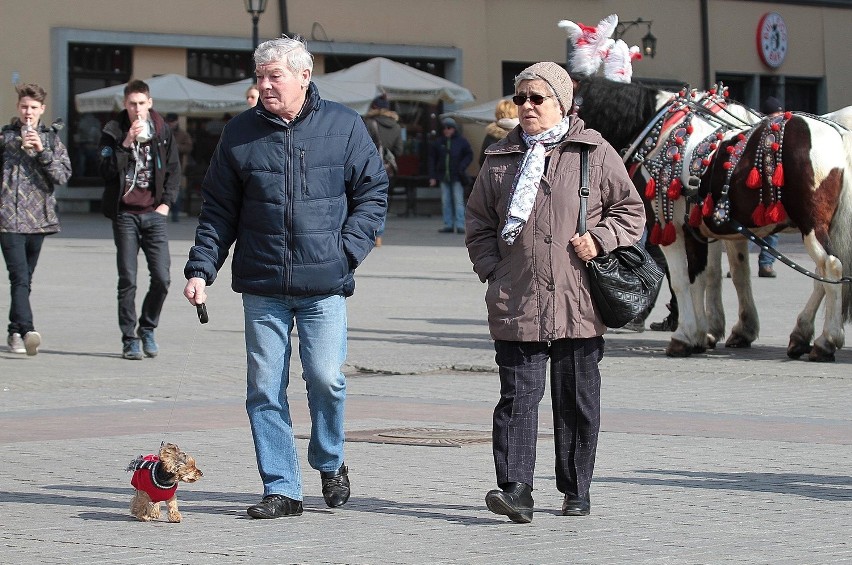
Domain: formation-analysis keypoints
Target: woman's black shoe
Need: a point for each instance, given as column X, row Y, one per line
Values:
column 513, row 500
column 275, row 506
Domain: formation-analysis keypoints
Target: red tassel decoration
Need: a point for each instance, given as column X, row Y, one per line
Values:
column 753, row 180
column 669, row 234
column 695, row 216
column 650, row 189
column 656, row 234
column 759, row 215
column 782, row 212
column 778, row 175
column 775, row 213
column 674, row 189
column 707, row 206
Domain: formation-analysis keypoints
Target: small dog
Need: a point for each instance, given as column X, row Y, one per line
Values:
column 155, row 478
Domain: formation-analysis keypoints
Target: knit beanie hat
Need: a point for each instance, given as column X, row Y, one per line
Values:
column 558, row 79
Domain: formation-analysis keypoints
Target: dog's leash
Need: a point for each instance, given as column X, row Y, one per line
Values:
column 201, row 311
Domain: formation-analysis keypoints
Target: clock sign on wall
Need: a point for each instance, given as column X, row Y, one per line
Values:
column 772, row 39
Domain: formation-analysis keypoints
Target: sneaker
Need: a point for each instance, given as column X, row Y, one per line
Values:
column 132, row 350
column 16, row 344
column 275, row 506
column 149, row 346
column 31, row 342
column 766, row 271
column 335, row 486
column 635, row 325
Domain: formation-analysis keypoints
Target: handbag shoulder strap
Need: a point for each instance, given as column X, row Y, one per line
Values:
column 584, row 189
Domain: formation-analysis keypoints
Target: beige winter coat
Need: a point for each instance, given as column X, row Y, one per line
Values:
column 538, row 287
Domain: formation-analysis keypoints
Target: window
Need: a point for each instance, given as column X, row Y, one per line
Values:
column 90, row 67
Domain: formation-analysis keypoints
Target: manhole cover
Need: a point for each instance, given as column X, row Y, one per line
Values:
column 431, row 437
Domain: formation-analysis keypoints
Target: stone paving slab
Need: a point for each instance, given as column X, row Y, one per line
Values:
column 735, row 456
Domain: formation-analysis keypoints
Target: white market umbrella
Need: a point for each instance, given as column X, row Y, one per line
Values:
column 171, row 93
column 355, row 95
column 401, row 82
column 480, row 114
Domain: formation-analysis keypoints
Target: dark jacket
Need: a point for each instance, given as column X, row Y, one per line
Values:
column 115, row 160
column 27, row 200
column 538, row 288
column 387, row 127
column 302, row 200
column 461, row 155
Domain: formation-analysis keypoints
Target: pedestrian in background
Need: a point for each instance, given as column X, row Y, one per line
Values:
column 301, row 190
column 505, row 120
column 522, row 239
column 386, row 133
column 450, row 157
column 252, row 94
column 140, row 166
column 33, row 161
column 184, row 145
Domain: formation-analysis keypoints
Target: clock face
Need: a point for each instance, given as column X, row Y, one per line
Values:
column 772, row 39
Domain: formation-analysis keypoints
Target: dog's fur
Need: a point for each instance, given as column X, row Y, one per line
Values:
column 173, row 466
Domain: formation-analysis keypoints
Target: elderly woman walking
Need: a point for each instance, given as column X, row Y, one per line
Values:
column 521, row 235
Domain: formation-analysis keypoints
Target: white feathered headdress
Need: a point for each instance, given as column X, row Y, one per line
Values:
column 589, row 44
column 618, row 64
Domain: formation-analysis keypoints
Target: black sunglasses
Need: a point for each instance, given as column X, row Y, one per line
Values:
column 536, row 99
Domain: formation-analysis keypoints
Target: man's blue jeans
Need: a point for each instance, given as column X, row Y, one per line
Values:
column 321, row 323
column 766, row 259
column 452, row 204
column 21, row 251
column 148, row 232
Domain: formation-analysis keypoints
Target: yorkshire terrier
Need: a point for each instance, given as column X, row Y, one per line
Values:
column 155, row 478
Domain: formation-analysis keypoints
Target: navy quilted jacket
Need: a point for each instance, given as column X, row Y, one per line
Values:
column 302, row 201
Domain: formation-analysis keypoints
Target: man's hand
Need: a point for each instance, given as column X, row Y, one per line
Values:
column 195, row 291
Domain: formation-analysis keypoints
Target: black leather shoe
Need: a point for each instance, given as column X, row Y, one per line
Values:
column 275, row 506
column 574, row 506
column 445, row 230
column 335, row 486
column 513, row 500
column 669, row 324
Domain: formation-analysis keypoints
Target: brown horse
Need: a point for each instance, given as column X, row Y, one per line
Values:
column 710, row 168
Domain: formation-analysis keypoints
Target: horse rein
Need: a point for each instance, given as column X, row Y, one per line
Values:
column 754, row 238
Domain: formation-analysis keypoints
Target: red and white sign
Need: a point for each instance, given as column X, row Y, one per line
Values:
column 772, row 39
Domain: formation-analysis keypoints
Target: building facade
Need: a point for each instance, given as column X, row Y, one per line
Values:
column 796, row 51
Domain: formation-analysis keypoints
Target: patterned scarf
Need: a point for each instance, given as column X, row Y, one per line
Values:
column 528, row 178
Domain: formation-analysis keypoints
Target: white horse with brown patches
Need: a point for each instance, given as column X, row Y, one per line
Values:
column 764, row 174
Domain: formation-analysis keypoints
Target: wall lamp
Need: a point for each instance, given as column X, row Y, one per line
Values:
column 649, row 42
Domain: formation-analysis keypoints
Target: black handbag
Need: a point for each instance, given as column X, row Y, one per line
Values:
column 623, row 282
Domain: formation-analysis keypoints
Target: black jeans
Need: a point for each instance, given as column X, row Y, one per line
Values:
column 21, row 251
column 575, row 385
column 130, row 232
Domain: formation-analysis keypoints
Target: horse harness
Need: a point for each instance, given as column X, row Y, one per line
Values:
column 662, row 157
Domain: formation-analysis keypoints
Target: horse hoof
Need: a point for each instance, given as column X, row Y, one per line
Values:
column 820, row 355
column 737, row 341
column 796, row 349
column 678, row 348
column 698, row 349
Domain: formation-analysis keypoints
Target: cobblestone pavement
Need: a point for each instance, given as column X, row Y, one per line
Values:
column 734, row 456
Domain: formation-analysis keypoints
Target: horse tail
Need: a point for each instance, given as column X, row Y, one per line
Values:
column 841, row 228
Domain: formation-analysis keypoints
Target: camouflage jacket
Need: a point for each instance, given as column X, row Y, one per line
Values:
column 27, row 201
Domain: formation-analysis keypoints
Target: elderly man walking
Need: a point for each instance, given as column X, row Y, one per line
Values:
column 298, row 185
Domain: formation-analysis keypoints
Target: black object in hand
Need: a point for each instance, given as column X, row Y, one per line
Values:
column 202, row 313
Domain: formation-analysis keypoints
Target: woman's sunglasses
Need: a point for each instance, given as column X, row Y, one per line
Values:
column 536, row 99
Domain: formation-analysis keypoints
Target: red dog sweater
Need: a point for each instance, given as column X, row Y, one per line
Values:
column 151, row 479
